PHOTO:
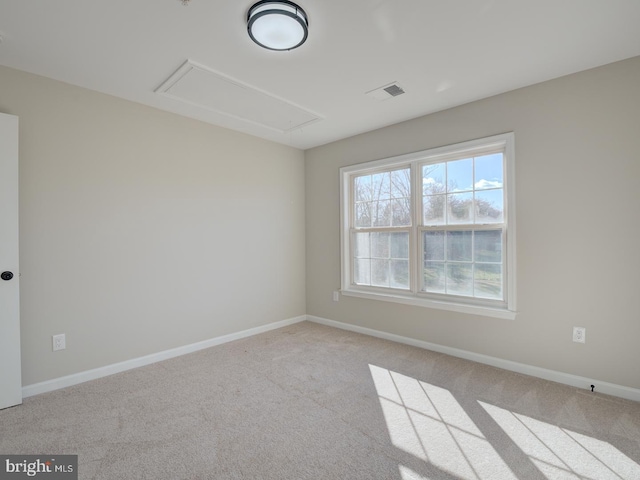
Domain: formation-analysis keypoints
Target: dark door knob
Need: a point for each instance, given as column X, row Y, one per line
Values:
column 6, row 275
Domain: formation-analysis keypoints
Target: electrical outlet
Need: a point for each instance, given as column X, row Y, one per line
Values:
column 336, row 295
column 579, row 334
column 59, row 342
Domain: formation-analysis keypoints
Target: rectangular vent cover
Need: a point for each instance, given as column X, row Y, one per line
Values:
column 202, row 87
column 394, row 90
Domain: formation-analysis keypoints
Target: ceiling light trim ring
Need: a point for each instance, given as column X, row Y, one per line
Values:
column 294, row 12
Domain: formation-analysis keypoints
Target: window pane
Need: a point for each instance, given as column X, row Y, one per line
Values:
column 362, row 188
column 401, row 183
column 362, row 272
column 488, row 246
column 460, row 175
column 400, row 273
column 434, row 208
column 433, row 179
column 488, row 281
column 460, row 279
column 380, row 272
column 433, row 245
column 490, row 206
column 380, row 245
column 489, row 171
column 401, row 216
column 399, row 245
column 382, row 214
column 381, row 186
column 459, row 246
column 460, row 208
column 361, row 247
column 363, row 214
column 434, row 277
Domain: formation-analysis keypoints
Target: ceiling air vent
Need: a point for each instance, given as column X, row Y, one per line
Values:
column 386, row 91
column 394, row 90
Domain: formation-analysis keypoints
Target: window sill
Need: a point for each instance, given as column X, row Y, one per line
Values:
column 484, row 311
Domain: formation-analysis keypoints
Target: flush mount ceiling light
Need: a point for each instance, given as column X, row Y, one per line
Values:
column 277, row 25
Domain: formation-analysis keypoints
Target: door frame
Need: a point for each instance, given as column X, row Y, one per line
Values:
column 10, row 359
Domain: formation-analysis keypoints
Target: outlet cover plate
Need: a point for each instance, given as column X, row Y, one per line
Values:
column 59, row 342
column 579, row 334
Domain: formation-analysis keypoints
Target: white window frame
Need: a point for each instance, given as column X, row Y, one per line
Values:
column 414, row 296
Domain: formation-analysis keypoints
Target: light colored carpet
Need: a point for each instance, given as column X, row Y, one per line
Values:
column 313, row 402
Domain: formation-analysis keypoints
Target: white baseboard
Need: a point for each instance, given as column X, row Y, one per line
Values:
column 107, row 370
column 552, row 375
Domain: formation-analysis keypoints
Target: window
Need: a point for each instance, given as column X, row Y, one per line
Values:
column 433, row 228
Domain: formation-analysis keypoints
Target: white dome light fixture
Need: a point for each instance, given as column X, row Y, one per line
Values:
column 278, row 26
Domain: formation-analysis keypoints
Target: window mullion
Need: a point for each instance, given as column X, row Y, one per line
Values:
column 416, row 222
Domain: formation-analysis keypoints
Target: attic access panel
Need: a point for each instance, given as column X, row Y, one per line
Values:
column 205, row 88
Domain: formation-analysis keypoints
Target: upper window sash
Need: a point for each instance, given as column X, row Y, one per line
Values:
column 381, row 198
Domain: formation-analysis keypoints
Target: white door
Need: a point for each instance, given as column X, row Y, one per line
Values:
column 10, row 376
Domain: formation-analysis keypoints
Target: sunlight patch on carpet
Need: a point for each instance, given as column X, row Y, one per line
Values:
column 427, row 422
column 562, row 454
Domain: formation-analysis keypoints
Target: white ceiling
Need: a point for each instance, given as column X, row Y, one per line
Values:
column 443, row 53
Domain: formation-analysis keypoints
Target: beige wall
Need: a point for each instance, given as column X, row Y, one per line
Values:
column 142, row 231
column 578, row 225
